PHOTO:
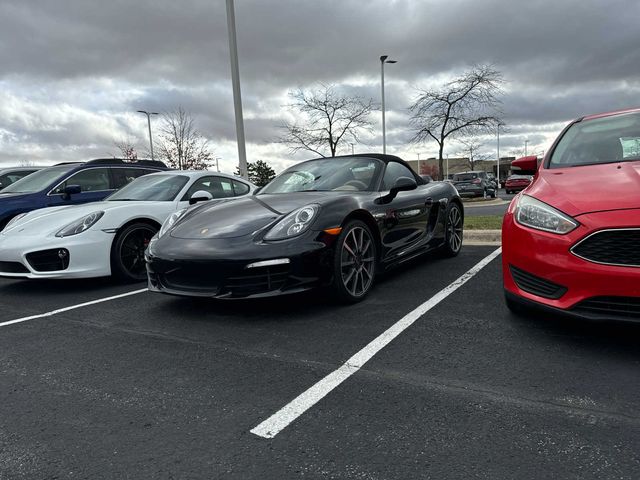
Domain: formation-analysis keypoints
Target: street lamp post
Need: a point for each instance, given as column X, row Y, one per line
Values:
column 148, row 114
column 447, row 165
column 526, row 141
column 498, row 157
column 237, row 98
column 383, row 60
column 352, row 151
column 217, row 165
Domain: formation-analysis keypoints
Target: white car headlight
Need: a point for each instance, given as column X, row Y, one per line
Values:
column 533, row 213
column 296, row 223
column 80, row 225
column 171, row 221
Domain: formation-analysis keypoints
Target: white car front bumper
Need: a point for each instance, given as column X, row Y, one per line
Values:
column 89, row 255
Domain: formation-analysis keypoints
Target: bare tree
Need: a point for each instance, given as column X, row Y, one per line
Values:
column 181, row 145
column 329, row 118
column 126, row 149
column 471, row 150
column 469, row 103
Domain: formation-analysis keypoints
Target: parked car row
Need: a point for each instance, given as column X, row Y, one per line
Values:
column 325, row 222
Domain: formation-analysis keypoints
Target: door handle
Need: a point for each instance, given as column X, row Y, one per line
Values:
column 429, row 202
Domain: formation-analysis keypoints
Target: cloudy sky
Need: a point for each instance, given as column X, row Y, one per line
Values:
column 74, row 72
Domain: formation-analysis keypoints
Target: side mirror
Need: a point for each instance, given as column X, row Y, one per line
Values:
column 402, row 184
column 71, row 190
column 200, row 196
column 526, row 165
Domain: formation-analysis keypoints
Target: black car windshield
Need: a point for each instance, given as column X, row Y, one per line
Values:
column 609, row 139
column 40, row 180
column 328, row 174
column 158, row 188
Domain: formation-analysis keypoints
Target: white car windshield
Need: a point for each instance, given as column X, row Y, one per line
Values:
column 151, row 188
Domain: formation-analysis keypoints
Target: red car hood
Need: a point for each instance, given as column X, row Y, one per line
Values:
column 590, row 188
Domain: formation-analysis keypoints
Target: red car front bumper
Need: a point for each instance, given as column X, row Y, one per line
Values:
column 547, row 256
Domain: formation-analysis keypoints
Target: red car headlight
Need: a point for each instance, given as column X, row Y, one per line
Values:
column 533, row 213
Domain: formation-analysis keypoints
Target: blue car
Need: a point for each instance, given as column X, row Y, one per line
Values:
column 70, row 183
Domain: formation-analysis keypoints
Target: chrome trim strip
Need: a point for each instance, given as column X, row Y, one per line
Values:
column 596, row 233
column 269, row 263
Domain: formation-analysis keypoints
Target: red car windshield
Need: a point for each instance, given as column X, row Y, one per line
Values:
column 615, row 138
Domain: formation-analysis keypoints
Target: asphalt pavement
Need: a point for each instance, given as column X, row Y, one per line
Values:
column 151, row 386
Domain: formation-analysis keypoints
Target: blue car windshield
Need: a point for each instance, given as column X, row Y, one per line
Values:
column 40, row 180
column 158, row 188
column 327, row 174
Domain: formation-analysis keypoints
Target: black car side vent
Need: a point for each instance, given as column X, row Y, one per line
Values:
column 536, row 285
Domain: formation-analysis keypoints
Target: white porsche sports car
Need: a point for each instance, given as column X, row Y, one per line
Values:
column 109, row 237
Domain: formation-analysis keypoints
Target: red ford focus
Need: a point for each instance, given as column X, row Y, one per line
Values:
column 571, row 240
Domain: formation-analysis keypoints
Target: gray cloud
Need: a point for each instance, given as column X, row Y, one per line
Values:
column 74, row 71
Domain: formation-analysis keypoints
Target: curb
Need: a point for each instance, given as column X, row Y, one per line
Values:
column 482, row 237
column 487, row 203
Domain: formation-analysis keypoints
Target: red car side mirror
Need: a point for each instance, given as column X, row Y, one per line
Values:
column 526, row 165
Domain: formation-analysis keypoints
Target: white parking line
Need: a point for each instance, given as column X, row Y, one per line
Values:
column 303, row 402
column 73, row 307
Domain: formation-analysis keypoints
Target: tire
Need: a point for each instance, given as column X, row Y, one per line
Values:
column 454, row 229
column 127, row 252
column 355, row 262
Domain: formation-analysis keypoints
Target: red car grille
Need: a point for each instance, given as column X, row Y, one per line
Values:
column 536, row 285
column 611, row 247
column 610, row 307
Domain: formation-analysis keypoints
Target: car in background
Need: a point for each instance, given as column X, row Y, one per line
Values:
column 324, row 222
column 13, row 174
column 427, row 178
column 570, row 240
column 71, row 183
column 108, row 237
column 474, row 184
column 517, row 183
column 492, row 179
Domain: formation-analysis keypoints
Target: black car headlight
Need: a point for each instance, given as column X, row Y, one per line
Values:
column 80, row 225
column 533, row 213
column 171, row 221
column 294, row 224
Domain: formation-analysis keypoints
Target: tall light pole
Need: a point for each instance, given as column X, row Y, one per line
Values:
column 237, row 98
column 447, row 165
column 148, row 114
column 526, row 141
column 217, row 165
column 498, row 157
column 352, row 144
column 383, row 60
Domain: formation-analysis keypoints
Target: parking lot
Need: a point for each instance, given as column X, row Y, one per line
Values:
column 151, row 386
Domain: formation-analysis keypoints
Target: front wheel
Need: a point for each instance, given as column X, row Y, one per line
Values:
column 454, row 226
column 354, row 266
column 127, row 252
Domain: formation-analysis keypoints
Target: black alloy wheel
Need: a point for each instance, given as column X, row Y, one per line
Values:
column 454, row 226
column 127, row 252
column 355, row 262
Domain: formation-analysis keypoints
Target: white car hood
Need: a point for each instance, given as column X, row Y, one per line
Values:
column 48, row 221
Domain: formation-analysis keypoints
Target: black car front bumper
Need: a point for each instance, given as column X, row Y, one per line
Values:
column 233, row 273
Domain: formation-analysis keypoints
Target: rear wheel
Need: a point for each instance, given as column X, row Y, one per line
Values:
column 127, row 252
column 454, row 226
column 354, row 265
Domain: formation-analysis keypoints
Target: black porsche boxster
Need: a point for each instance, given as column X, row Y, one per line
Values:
column 329, row 221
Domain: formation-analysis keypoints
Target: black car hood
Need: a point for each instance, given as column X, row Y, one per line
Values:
column 242, row 216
